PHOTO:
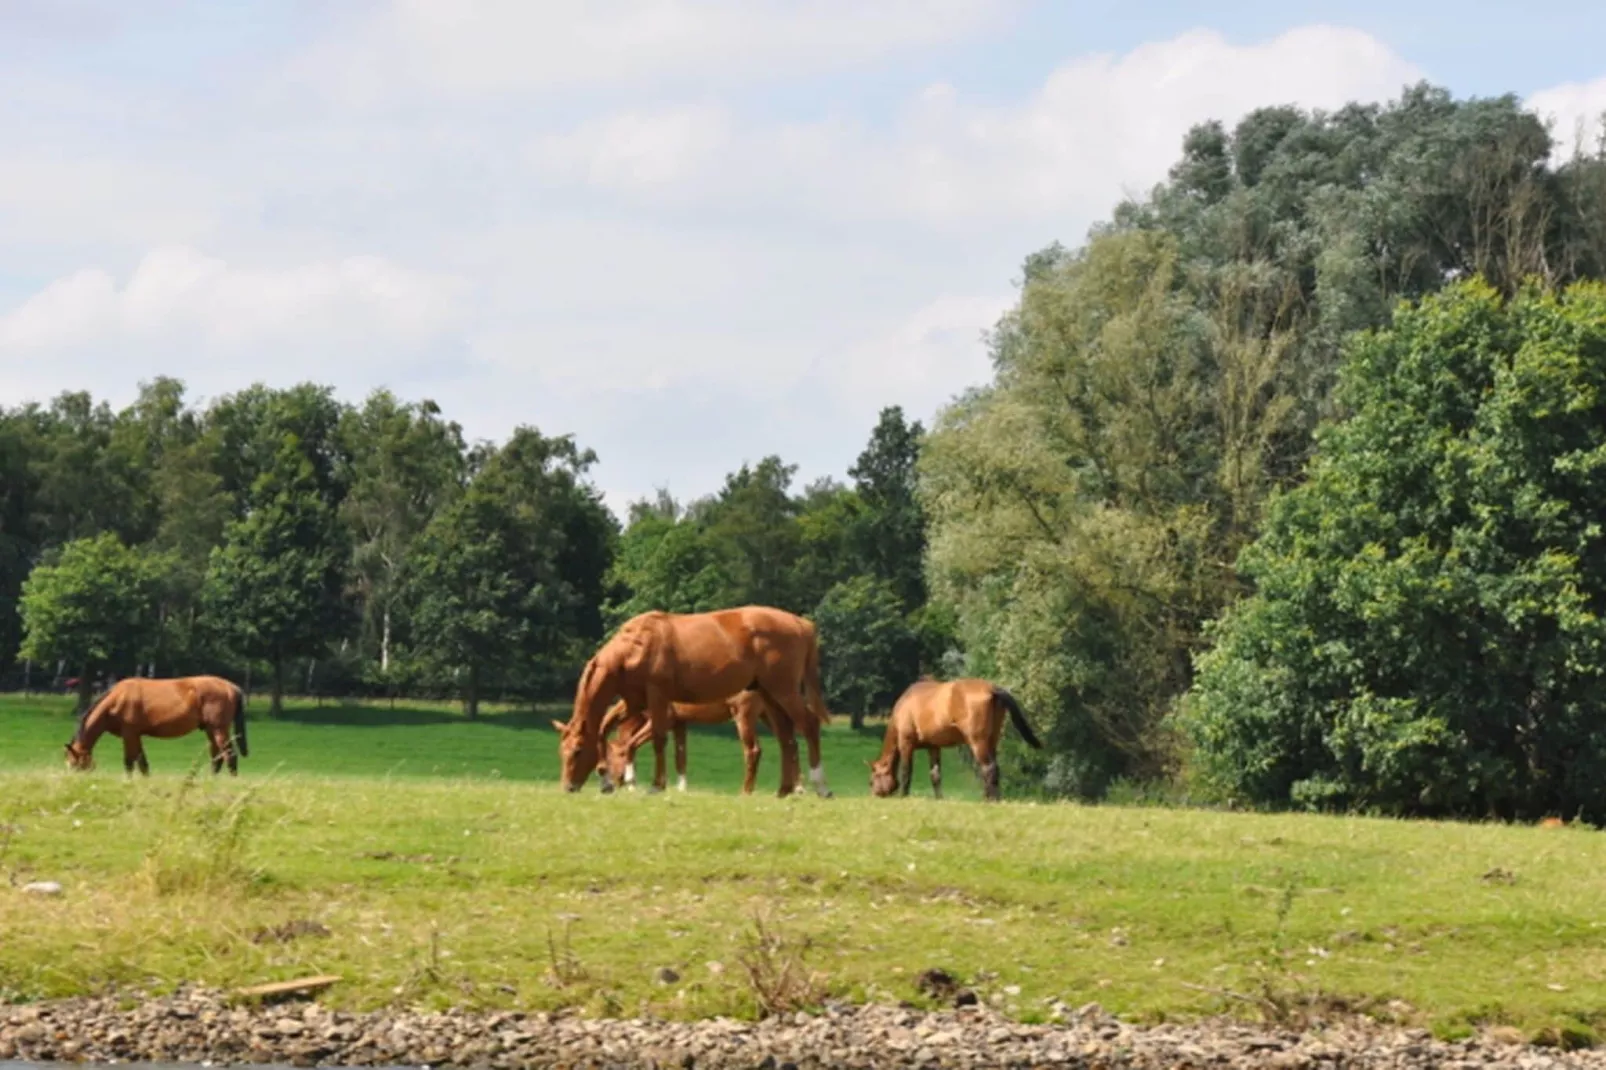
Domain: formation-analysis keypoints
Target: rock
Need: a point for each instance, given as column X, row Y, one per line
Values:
column 665, row 976
column 42, row 888
column 201, row 1026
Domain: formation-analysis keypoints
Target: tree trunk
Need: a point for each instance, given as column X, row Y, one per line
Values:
column 384, row 643
column 471, row 702
column 276, row 704
column 86, row 690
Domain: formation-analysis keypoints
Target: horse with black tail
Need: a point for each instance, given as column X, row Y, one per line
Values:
column 930, row 716
column 164, row 709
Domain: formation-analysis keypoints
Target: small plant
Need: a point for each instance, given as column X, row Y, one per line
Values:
column 203, row 847
column 777, row 974
column 564, row 967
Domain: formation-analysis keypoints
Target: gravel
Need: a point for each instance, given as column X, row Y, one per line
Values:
column 202, row 1026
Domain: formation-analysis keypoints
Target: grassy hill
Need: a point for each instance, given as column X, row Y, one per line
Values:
column 438, row 885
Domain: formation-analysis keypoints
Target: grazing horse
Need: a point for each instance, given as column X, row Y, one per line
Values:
column 164, row 709
column 746, row 709
column 932, row 715
column 657, row 659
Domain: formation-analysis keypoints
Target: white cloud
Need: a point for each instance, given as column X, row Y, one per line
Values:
column 635, row 150
column 177, row 293
column 475, row 48
column 1097, row 128
column 1576, row 111
column 677, row 253
column 922, row 362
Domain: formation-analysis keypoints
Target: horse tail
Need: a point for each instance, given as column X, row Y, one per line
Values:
column 1006, row 700
column 239, row 720
column 813, row 693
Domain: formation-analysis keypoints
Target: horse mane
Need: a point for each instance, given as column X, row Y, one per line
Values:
column 94, row 707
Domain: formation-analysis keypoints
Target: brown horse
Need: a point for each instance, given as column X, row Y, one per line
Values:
column 164, row 709
column 931, row 715
column 746, row 709
column 656, row 659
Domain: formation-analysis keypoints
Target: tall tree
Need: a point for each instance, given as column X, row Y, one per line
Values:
column 275, row 587
column 756, row 516
column 892, row 532
column 868, row 653
column 505, row 583
column 91, row 606
column 407, row 463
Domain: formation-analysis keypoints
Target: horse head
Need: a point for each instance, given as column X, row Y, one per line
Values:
column 883, row 776
column 79, row 757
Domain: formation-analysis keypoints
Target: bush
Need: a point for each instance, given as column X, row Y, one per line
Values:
column 1427, row 636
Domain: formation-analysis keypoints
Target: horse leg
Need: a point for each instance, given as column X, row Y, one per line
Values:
column 216, row 752
column 987, row 763
column 786, row 736
column 790, row 701
column 747, row 732
column 906, row 763
column 680, row 756
column 936, row 771
column 133, row 753
column 658, row 714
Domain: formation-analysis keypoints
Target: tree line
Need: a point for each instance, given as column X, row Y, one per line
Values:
column 369, row 549
column 1230, row 391
column 1285, row 490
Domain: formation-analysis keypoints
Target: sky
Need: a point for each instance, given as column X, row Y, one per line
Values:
column 692, row 233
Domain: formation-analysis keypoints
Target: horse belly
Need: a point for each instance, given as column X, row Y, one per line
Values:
column 172, row 728
column 945, row 736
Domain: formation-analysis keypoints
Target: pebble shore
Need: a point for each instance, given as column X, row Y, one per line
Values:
column 201, row 1026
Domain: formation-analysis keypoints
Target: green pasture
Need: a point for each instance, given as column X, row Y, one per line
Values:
column 417, row 740
column 448, row 869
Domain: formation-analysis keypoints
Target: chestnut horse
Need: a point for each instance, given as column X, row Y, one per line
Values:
column 932, row 715
column 746, row 709
column 164, row 709
column 656, row 659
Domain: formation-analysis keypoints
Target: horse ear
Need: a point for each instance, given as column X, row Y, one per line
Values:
column 559, row 725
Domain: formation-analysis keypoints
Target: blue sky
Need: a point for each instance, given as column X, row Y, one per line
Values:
column 691, row 232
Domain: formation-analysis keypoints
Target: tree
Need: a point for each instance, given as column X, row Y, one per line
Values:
column 407, row 463
column 92, row 607
column 1426, row 634
column 868, row 654
column 1074, row 504
column 891, row 536
column 275, row 587
column 755, row 516
column 672, row 565
column 505, row 584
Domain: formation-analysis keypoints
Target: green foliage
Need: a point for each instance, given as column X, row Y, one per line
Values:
column 275, row 587
column 868, row 652
column 505, row 583
column 93, row 606
column 671, row 565
column 1426, row 634
column 1155, row 387
column 407, row 463
column 890, row 535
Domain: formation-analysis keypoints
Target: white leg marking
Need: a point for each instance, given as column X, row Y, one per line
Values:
column 680, row 784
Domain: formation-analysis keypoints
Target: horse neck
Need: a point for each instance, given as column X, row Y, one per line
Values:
column 591, row 701
column 889, row 742
column 93, row 726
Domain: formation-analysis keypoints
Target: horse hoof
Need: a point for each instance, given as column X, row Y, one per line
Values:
column 655, row 790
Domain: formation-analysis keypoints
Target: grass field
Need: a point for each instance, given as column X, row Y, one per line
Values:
column 414, row 740
column 448, row 887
